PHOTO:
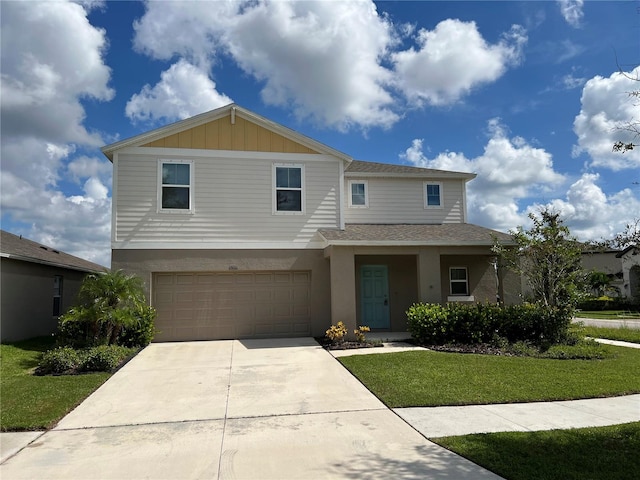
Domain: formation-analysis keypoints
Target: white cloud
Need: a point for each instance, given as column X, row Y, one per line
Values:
column 592, row 215
column 183, row 91
column 606, row 106
column 54, row 61
column 334, row 62
column 452, row 59
column 572, row 12
column 509, row 171
column 82, row 167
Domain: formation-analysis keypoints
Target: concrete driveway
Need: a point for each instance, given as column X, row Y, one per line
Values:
column 253, row 409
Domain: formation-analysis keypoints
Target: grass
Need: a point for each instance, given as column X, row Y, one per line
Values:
column 586, row 453
column 623, row 334
column 426, row 378
column 608, row 314
column 37, row 402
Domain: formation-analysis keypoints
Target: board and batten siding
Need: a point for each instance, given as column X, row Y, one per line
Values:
column 232, row 201
column 221, row 134
column 401, row 200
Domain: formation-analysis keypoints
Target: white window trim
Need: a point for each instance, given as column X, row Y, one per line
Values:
column 426, row 198
column 366, row 194
column 466, row 281
column 274, row 195
column 176, row 211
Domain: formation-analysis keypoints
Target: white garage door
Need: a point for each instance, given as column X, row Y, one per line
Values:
column 212, row 306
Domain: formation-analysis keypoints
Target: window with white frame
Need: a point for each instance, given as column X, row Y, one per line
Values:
column 358, row 194
column 288, row 188
column 459, row 281
column 176, row 185
column 433, row 195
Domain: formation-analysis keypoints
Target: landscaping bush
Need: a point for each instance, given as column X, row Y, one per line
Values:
column 605, row 303
column 59, row 361
column 435, row 324
column 140, row 332
column 69, row 361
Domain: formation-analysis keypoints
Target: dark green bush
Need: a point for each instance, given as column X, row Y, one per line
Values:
column 605, row 303
column 59, row 361
column 105, row 358
column 483, row 322
column 140, row 333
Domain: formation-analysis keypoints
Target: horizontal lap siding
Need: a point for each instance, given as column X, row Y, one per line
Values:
column 232, row 202
column 393, row 200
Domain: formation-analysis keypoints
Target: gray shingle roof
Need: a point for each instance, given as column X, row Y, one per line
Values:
column 404, row 234
column 18, row 248
column 358, row 166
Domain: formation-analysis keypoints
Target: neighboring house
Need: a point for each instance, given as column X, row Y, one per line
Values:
column 630, row 257
column 608, row 262
column 244, row 228
column 38, row 283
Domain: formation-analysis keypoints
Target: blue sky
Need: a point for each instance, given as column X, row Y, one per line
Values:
column 525, row 94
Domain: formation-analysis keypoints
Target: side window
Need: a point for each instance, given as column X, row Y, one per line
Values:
column 175, row 185
column 432, row 195
column 358, row 194
column 458, row 279
column 288, row 194
column 57, row 295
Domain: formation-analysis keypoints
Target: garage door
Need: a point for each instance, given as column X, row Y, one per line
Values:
column 211, row 306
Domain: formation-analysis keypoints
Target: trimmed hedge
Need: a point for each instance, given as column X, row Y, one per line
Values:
column 435, row 324
column 606, row 303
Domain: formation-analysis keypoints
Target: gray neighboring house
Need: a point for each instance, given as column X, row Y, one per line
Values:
column 609, row 262
column 630, row 258
column 37, row 284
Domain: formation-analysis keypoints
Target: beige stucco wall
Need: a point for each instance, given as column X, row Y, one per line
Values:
column 27, row 298
column 146, row 262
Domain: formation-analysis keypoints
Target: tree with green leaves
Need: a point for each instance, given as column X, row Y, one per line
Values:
column 110, row 303
column 548, row 258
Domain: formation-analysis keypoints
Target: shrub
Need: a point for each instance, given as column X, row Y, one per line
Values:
column 59, row 361
column 360, row 333
column 140, row 333
column 105, row 358
column 336, row 333
column 483, row 322
column 605, row 303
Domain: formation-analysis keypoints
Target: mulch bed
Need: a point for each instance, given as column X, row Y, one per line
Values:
column 327, row 344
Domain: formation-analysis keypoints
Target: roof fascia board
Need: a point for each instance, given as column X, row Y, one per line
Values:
column 430, row 175
column 22, row 258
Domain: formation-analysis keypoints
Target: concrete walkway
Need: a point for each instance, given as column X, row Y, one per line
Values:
column 233, row 409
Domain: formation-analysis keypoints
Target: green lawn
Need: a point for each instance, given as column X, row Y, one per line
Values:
column 623, row 334
column 609, row 314
column 30, row 402
column 588, row 453
column 425, row 378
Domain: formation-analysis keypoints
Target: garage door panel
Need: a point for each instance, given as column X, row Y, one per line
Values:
column 218, row 305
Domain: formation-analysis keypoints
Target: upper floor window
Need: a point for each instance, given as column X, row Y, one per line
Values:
column 288, row 183
column 358, row 193
column 176, row 185
column 459, row 281
column 432, row 195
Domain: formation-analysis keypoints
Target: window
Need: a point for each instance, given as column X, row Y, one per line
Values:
column 288, row 196
column 358, row 194
column 57, row 295
column 459, row 281
column 432, row 195
column 176, row 190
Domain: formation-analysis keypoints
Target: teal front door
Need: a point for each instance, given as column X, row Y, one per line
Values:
column 374, row 296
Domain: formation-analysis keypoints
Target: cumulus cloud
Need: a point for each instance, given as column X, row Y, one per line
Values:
column 590, row 213
column 572, row 12
column 509, row 171
column 336, row 63
column 606, row 106
column 184, row 90
column 55, row 61
column 452, row 59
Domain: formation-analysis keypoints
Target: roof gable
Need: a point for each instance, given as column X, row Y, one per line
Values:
column 227, row 128
column 17, row 248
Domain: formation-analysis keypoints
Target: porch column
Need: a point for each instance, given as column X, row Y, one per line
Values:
column 343, row 287
column 429, row 284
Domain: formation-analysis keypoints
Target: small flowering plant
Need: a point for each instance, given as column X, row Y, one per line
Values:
column 336, row 333
column 359, row 333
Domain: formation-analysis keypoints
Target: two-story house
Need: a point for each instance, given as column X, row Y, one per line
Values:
column 242, row 227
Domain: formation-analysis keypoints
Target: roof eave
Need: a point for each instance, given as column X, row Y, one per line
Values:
column 39, row 261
